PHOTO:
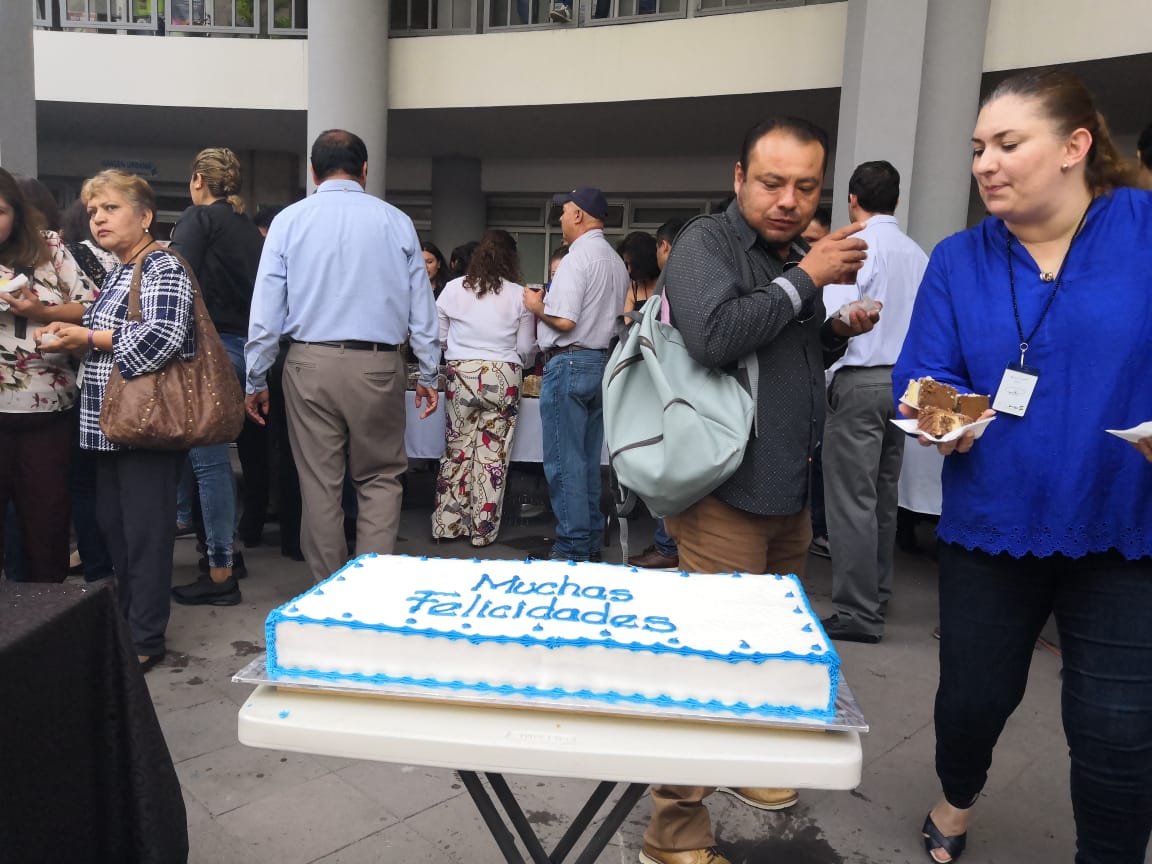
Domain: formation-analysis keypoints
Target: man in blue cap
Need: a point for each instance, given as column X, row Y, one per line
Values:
column 579, row 316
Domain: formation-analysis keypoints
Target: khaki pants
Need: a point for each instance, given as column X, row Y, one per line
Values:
column 716, row 538
column 346, row 412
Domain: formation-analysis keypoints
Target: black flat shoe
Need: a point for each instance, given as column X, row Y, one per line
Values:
column 150, row 662
column 933, row 839
column 205, row 592
column 842, row 633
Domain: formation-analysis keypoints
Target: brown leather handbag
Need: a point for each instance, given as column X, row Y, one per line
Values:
column 188, row 403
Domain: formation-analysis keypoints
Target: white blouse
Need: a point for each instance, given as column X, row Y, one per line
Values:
column 492, row 327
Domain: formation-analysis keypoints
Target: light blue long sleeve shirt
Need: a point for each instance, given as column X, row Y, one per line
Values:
column 341, row 265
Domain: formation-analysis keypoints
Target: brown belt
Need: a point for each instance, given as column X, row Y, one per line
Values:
column 568, row 349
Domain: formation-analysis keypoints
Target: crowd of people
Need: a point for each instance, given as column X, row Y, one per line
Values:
column 1043, row 306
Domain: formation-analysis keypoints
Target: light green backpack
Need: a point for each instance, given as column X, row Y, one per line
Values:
column 675, row 429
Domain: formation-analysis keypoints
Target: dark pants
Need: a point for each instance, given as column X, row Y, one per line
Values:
column 137, row 497
column 992, row 608
column 94, row 555
column 34, row 459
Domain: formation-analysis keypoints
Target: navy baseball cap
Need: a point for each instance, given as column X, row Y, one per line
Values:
column 587, row 198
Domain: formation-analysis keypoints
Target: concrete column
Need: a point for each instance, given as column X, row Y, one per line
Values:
column 18, row 91
column 949, row 97
column 459, row 208
column 347, row 77
column 880, row 96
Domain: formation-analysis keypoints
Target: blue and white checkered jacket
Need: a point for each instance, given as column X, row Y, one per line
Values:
column 137, row 347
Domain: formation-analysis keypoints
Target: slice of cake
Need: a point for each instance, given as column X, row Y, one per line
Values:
column 912, row 393
column 546, row 630
column 937, row 422
column 971, row 405
column 936, row 394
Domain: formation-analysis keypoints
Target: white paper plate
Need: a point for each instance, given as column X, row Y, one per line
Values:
column 909, row 426
column 1144, row 430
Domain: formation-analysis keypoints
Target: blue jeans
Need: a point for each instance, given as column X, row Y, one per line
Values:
column 213, row 469
column 572, row 417
column 663, row 541
column 992, row 609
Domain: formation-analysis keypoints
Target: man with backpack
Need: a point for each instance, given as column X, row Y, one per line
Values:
column 757, row 520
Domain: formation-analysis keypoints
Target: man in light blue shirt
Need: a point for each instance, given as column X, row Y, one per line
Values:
column 343, row 279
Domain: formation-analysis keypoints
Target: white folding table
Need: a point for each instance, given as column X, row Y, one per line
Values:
column 472, row 738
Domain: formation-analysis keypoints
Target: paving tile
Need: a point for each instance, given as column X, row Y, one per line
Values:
column 211, row 844
column 403, row 790
column 397, row 843
column 234, row 776
column 199, row 729
column 307, row 821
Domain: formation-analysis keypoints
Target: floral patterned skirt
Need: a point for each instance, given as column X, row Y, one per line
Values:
column 483, row 397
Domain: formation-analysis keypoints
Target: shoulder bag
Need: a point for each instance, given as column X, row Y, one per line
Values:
column 675, row 429
column 188, row 403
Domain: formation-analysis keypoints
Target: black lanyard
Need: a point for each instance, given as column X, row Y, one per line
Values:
column 1055, row 287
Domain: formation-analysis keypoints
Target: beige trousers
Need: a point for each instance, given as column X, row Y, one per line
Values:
column 346, row 414
column 714, row 537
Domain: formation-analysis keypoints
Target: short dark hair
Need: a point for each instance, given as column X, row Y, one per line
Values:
column 799, row 128
column 265, row 215
column 1144, row 146
column 667, row 232
column 558, row 253
column 338, row 151
column 639, row 251
column 823, row 216
column 460, row 258
column 876, row 186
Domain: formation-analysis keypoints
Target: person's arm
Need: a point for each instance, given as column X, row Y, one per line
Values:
column 268, row 313
column 423, row 320
column 190, row 238
column 147, row 345
column 525, row 331
column 534, row 303
column 442, row 314
column 76, row 290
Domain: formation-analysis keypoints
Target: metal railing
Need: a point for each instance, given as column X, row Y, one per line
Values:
column 407, row 17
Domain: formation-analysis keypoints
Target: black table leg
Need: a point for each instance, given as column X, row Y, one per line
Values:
column 506, row 842
column 496, row 826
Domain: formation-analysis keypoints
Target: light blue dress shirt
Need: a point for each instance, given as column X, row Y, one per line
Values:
column 341, row 265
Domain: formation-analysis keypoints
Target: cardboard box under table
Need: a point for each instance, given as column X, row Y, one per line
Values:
column 629, row 745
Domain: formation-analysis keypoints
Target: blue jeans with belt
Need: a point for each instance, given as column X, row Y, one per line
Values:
column 992, row 609
column 572, row 419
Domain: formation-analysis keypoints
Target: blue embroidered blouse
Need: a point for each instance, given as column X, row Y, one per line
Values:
column 1053, row 481
column 137, row 347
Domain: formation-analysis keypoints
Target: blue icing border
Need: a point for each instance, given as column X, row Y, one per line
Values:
column 828, row 658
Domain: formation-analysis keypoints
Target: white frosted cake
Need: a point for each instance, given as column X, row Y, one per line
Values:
column 542, row 630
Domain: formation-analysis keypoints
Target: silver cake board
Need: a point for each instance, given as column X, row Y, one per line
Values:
column 848, row 717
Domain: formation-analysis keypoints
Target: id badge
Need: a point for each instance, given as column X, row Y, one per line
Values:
column 1015, row 391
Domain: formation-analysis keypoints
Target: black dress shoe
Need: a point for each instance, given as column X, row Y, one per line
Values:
column 205, row 592
column 841, row 632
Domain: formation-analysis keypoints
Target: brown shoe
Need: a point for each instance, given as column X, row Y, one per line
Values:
column 653, row 559
column 648, row 855
column 763, row 799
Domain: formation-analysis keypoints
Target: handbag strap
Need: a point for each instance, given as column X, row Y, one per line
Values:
column 137, row 271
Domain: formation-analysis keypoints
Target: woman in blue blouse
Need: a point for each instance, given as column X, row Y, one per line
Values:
column 1047, row 513
column 136, row 489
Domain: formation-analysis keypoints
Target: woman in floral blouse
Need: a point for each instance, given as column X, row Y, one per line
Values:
column 37, row 389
